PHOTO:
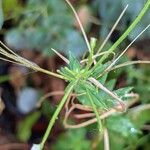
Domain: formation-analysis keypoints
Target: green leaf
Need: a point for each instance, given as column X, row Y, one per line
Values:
column 47, row 109
column 74, row 63
column 84, row 99
column 140, row 116
column 25, row 126
column 123, row 91
column 98, row 70
column 67, row 73
column 110, row 84
column 109, row 100
column 121, row 125
column 103, row 78
column 73, row 140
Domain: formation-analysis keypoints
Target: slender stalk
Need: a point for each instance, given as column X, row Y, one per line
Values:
column 8, row 48
column 106, row 140
column 113, row 28
column 49, row 73
column 129, row 63
column 95, row 111
column 113, row 63
column 83, row 60
column 102, row 116
column 126, row 33
column 41, row 100
column 83, row 116
column 56, row 113
column 86, row 123
column 81, row 26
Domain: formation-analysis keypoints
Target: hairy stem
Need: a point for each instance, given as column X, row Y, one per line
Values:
column 56, row 113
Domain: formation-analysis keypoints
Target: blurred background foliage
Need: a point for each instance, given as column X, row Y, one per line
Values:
column 115, row 7
column 43, row 24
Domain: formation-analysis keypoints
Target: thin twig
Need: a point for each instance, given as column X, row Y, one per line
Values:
column 106, row 114
column 106, row 139
column 50, row 94
column 129, row 63
column 91, row 121
column 81, row 26
column 83, row 60
column 95, row 56
column 83, row 116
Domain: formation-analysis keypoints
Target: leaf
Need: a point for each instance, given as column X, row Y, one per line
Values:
column 74, row 64
column 98, row 70
column 123, row 91
column 84, row 99
column 103, row 78
column 121, row 125
column 110, row 84
column 140, row 116
column 47, row 109
column 67, row 73
column 109, row 100
column 116, row 141
column 73, row 140
column 25, row 126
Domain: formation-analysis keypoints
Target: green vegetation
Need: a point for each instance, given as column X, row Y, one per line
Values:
column 92, row 83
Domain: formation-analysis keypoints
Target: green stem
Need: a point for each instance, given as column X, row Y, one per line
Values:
column 129, row 63
column 56, row 113
column 126, row 33
column 49, row 73
column 95, row 111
